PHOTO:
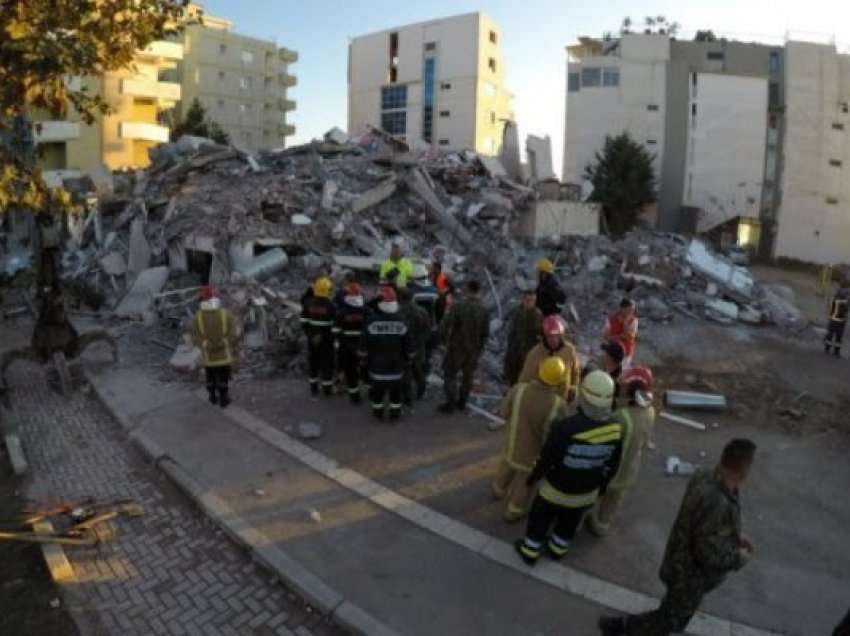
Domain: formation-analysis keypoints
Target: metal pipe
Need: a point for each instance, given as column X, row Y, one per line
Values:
column 695, row 401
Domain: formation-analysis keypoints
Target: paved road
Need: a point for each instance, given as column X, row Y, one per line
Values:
column 168, row 572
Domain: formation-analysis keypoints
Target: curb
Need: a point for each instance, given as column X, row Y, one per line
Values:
column 291, row 573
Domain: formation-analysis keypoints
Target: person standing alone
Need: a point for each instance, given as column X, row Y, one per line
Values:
column 318, row 314
column 215, row 332
column 837, row 323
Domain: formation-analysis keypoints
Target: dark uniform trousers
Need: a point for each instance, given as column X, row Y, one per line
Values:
column 542, row 516
column 320, row 360
column 350, row 363
column 834, row 334
column 217, row 381
column 680, row 603
column 379, row 390
column 454, row 364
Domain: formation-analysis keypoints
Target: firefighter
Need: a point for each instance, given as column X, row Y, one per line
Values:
column 638, row 420
column 442, row 282
column 396, row 268
column 622, row 327
column 215, row 332
column 318, row 315
column 426, row 296
column 550, row 296
column 579, row 457
column 529, row 410
column 464, row 330
column 387, row 346
column 837, row 322
column 419, row 325
column 348, row 330
column 523, row 332
column 554, row 343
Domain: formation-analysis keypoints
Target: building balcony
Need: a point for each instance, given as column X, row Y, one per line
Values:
column 162, row 50
column 166, row 92
column 56, row 131
column 286, row 104
column 287, row 130
column 287, row 55
column 144, row 131
column 287, row 80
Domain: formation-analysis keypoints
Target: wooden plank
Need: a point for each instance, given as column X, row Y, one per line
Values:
column 54, row 555
column 682, row 420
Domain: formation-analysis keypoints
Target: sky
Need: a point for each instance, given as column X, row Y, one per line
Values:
column 534, row 34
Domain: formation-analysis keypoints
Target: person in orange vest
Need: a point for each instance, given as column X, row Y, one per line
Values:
column 622, row 327
column 215, row 332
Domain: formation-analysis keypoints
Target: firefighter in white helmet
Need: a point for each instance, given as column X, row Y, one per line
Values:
column 581, row 454
column 529, row 410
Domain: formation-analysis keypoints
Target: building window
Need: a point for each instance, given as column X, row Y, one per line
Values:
column 394, row 123
column 489, row 89
column 393, row 70
column 445, row 113
column 611, row 76
column 245, row 83
column 428, row 80
column 717, row 56
column 444, row 142
column 247, row 57
column 772, row 121
column 773, row 94
column 773, row 62
column 573, row 82
column 694, row 85
column 838, row 126
column 430, row 46
column 591, row 77
column 220, row 104
column 835, row 163
column 221, row 76
column 651, row 142
column 492, row 118
column 831, row 200
column 445, row 86
column 491, row 64
column 652, row 108
column 493, row 37
column 197, row 76
column 243, row 108
column 393, row 97
column 267, row 83
column 222, row 49
column 693, row 116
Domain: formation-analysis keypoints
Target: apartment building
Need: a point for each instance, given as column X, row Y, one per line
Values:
column 813, row 222
column 121, row 139
column 441, row 82
column 242, row 82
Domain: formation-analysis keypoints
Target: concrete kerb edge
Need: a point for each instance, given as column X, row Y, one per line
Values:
column 101, row 396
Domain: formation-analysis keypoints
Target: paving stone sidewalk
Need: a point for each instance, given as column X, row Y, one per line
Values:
column 168, row 572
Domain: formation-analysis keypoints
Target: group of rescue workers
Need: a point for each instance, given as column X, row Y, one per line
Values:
column 573, row 438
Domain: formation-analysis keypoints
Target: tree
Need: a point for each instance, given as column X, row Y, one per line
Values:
column 705, row 36
column 652, row 25
column 198, row 124
column 42, row 43
column 623, row 181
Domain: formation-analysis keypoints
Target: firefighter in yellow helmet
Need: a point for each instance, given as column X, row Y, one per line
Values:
column 215, row 332
column 550, row 296
column 579, row 457
column 318, row 316
column 529, row 409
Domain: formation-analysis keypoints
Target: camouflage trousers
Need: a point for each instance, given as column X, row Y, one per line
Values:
column 678, row 606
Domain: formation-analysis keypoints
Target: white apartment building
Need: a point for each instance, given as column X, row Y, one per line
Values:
column 441, row 82
column 814, row 216
column 612, row 87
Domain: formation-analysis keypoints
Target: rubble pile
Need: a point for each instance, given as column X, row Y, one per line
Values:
column 259, row 227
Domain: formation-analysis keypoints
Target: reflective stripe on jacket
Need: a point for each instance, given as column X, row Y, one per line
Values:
column 213, row 333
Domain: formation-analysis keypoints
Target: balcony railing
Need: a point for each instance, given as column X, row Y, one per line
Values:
column 54, row 131
column 144, row 131
column 288, row 80
column 286, row 104
column 288, row 56
column 162, row 50
column 139, row 87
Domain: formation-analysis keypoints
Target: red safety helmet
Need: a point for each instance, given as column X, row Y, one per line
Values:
column 208, row 292
column 553, row 326
column 639, row 375
column 387, row 294
column 353, row 289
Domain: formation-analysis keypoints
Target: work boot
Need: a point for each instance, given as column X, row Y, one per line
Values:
column 612, row 626
column 527, row 559
column 213, row 398
column 328, row 390
column 224, row 398
column 378, row 413
column 394, row 415
column 446, row 407
column 354, row 397
column 314, row 388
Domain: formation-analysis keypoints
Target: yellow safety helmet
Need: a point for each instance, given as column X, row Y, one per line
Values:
column 598, row 389
column 552, row 371
column 323, row 287
column 545, row 265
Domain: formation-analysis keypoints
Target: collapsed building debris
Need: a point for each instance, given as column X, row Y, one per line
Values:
column 259, row 227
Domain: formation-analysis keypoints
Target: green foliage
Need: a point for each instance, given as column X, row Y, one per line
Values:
column 623, row 181
column 198, row 124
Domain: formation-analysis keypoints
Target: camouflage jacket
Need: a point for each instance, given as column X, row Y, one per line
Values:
column 465, row 328
column 522, row 336
column 419, row 323
column 705, row 540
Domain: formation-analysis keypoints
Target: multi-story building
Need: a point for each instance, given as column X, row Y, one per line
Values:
column 241, row 81
column 709, row 112
column 121, row 139
column 441, row 82
column 813, row 222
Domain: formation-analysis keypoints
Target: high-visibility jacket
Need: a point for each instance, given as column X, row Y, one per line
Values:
column 578, row 460
column 638, row 422
column 623, row 331
column 318, row 315
column 403, row 268
column 529, row 410
column 567, row 353
column 214, row 332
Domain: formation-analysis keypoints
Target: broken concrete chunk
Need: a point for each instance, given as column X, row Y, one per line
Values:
column 328, row 192
column 735, row 278
column 113, row 264
column 420, row 183
column 190, row 143
column 309, row 430
column 721, row 310
column 186, row 358
column 301, row 219
column 336, row 135
column 374, row 196
column 597, row 263
column 140, row 250
column 139, row 300
column 493, row 167
column 266, row 264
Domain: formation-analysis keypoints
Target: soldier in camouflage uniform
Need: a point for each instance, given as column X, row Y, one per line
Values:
column 523, row 334
column 704, row 546
column 464, row 330
column 419, row 325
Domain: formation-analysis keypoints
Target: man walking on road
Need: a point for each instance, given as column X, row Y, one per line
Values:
column 554, row 343
column 550, row 296
column 318, row 315
column 523, row 333
column 215, row 332
column 464, row 330
column 581, row 454
column 529, row 410
column 837, row 323
column 705, row 544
